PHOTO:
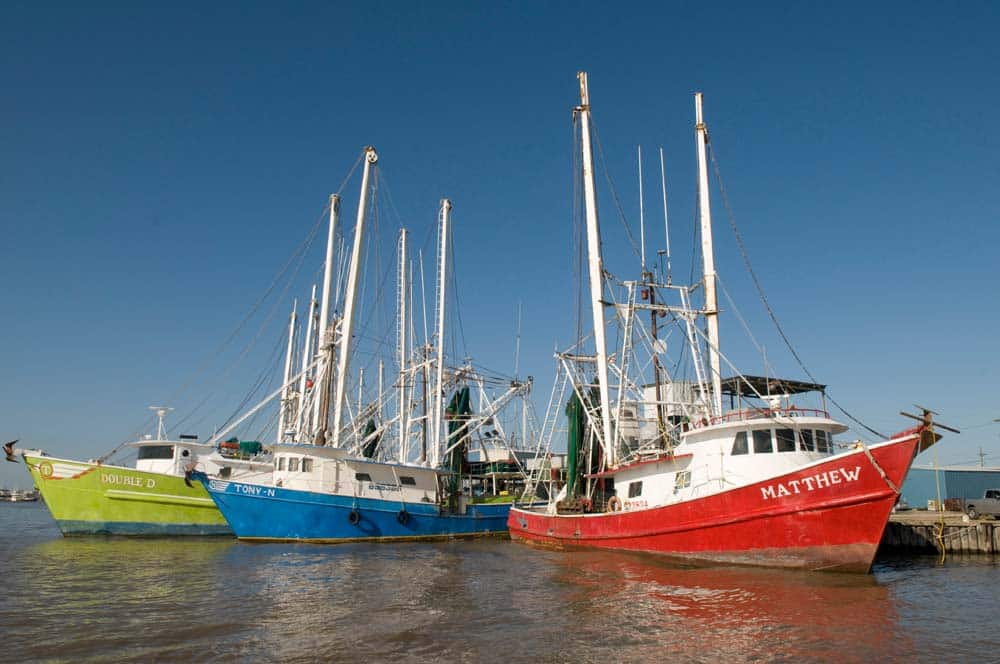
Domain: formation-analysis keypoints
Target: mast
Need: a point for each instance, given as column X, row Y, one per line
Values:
column 321, row 409
column 343, row 358
column 708, row 256
column 306, row 361
column 595, row 263
column 666, row 217
column 285, row 412
column 439, row 332
column 642, row 218
column 402, row 286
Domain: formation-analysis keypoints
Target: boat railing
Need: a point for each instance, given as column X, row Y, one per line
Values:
column 758, row 413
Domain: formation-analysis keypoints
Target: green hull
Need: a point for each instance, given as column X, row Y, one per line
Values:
column 91, row 499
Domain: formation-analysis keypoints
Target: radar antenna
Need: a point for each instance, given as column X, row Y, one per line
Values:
column 161, row 412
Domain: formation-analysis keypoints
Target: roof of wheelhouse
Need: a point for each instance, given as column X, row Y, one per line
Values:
column 748, row 386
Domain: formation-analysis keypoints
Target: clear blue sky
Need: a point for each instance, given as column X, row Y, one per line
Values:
column 160, row 162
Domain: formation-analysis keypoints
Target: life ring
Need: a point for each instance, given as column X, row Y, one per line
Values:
column 614, row 504
column 354, row 517
column 403, row 517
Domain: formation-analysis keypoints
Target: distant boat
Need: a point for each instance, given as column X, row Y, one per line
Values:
column 18, row 495
column 655, row 464
column 370, row 476
column 153, row 498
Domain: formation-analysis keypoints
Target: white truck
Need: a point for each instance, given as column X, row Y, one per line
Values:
column 989, row 504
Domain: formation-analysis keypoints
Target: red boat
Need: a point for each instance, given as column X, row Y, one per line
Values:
column 828, row 514
column 655, row 464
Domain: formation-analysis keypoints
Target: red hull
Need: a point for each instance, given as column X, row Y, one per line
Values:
column 826, row 516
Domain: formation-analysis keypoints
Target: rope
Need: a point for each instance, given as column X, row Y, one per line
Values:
column 614, row 192
column 763, row 297
column 881, row 472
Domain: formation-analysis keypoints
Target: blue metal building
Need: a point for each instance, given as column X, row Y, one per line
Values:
column 922, row 483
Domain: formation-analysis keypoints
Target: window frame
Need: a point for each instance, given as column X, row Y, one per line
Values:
column 757, row 439
column 786, row 437
column 741, row 445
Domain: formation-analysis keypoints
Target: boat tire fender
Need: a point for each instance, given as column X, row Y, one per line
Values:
column 614, row 504
column 354, row 517
column 403, row 517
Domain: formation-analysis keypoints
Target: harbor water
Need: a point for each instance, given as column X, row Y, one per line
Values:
column 123, row 600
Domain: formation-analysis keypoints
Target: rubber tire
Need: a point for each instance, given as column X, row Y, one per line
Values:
column 354, row 517
column 403, row 517
column 971, row 512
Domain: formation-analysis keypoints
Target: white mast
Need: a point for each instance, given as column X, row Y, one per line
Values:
column 711, row 305
column 352, row 285
column 439, row 333
column 306, row 363
column 321, row 408
column 401, row 285
column 642, row 219
column 381, row 386
column 666, row 217
column 595, row 263
column 286, row 410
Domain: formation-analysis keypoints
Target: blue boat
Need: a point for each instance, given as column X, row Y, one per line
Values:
column 339, row 498
column 394, row 464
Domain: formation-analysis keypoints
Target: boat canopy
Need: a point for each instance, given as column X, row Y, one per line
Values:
column 750, row 386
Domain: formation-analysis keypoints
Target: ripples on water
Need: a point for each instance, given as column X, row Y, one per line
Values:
column 103, row 599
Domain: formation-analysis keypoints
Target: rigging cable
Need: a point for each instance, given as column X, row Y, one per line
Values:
column 763, row 298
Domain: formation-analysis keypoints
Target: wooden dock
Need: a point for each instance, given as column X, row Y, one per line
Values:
column 930, row 532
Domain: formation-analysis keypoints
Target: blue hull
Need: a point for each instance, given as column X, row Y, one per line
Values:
column 271, row 513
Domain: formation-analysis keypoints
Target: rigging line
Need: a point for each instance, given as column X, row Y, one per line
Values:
column 298, row 253
column 454, row 289
column 269, row 370
column 695, row 234
column 614, row 192
column 351, row 172
column 577, row 229
column 763, row 297
column 746, row 327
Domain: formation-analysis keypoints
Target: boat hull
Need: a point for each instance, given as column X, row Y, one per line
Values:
column 826, row 516
column 92, row 499
column 275, row 514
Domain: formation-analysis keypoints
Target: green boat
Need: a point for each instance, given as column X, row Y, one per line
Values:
column 151, row 499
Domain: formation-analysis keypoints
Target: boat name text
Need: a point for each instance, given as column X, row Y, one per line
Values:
column 252, row 490
column 811, row 483
column 125, row 480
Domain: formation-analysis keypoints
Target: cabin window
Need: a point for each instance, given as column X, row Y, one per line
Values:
column 281, row 463
column 293, row 464
column 762, row 441
column 823, row 442
column 156, row 452
column 307, row 465
column 406, row 480
column 786, row 440
column 225, row 472
column 806, row 438
column 682, row 480
column 740, row 444
column 185, row 453
column 634, row 489
column 363, row 477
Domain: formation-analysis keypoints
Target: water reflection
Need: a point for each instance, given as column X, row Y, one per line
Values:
column 195, row 599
